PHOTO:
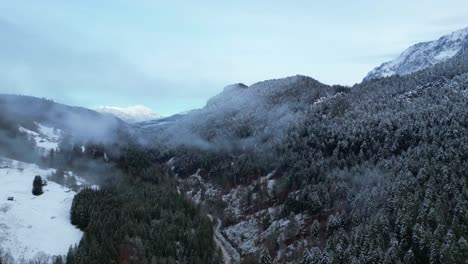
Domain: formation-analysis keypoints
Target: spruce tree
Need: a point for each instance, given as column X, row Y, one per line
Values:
column 37, row 186
column 265, row 257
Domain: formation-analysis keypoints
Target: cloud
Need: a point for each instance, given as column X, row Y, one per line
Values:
column 30, row 62
column 451, row 21
column 35, row 65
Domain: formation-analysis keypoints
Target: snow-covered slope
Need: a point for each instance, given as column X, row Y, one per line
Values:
column 423, row 55
column 131, row 114
column 46, row 139
column 32, row 224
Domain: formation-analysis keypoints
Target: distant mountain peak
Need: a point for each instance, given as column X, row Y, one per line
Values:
column 423, row 55
column 131, row 114
column 235, row 86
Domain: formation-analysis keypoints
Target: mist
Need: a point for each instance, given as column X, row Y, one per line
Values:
column 245, row 117
column 79, row 123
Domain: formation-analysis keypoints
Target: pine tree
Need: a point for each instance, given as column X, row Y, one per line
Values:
column 449, row 251
column 315, row 228
column 37, row 185
column 58, row 260
column 409, row 257
column 312, row 256
column 265, row 257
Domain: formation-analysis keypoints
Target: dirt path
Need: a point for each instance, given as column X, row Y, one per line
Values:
column 230, row 254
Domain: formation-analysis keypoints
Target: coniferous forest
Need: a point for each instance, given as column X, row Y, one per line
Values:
column 138, row 217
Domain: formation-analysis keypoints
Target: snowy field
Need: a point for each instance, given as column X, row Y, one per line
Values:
column 31, row 224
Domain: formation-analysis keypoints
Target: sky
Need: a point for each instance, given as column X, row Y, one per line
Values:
column 174, row 55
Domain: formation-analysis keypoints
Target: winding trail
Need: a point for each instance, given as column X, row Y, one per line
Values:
column 230, row 254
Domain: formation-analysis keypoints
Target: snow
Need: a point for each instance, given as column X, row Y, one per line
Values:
column 49, row 132
column 230, row 254
column 270, row 183
column 32, row 224
column 79, row 180
column 446, row 54
column 131, row 114
column 423, row 55
column 46, row 138
column 244, row 234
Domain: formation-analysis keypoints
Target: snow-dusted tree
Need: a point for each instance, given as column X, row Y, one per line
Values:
column 40, row 258
column 58, row 260
column 265, row 257
column 409, row 257
column 391, row 256
column 292, row 227
column 37, row 185
column 334, row 222
column 5, row 257
column 326, row 258
column 312, row 256
column 315, row 228
column 449, row 250
column 313, row 203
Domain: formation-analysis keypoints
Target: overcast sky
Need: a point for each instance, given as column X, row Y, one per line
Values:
column 173, row 55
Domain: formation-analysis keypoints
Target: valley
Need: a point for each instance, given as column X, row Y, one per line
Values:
column 287, row 170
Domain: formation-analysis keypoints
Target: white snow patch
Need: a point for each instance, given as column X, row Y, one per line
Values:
column 49, row 132
column 244, row 234
column 131, row 114
column 31, row 224
column 327, row 98
column 46, row 139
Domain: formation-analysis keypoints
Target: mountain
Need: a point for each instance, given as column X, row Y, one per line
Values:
column 160, row 121
column 25, row 110
column 131, row 114
column 282, row 171
column 301, row 172
column 242, row 116
column 28, row 123
column 423, row 55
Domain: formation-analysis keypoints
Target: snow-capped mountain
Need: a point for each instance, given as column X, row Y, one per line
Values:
column 131, row 114
column 423, row 55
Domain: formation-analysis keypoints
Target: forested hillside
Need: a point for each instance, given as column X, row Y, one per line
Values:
column 371, row 174
column 138, row 217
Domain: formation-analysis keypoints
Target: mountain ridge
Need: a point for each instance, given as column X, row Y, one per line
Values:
column 130, row 114
column 423, row 55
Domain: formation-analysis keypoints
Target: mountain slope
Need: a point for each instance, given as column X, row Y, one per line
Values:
column 354, row 178
column 131, row 114
column 32, row 128
column 242, row 116
column 423, row 55
column 23, row 111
